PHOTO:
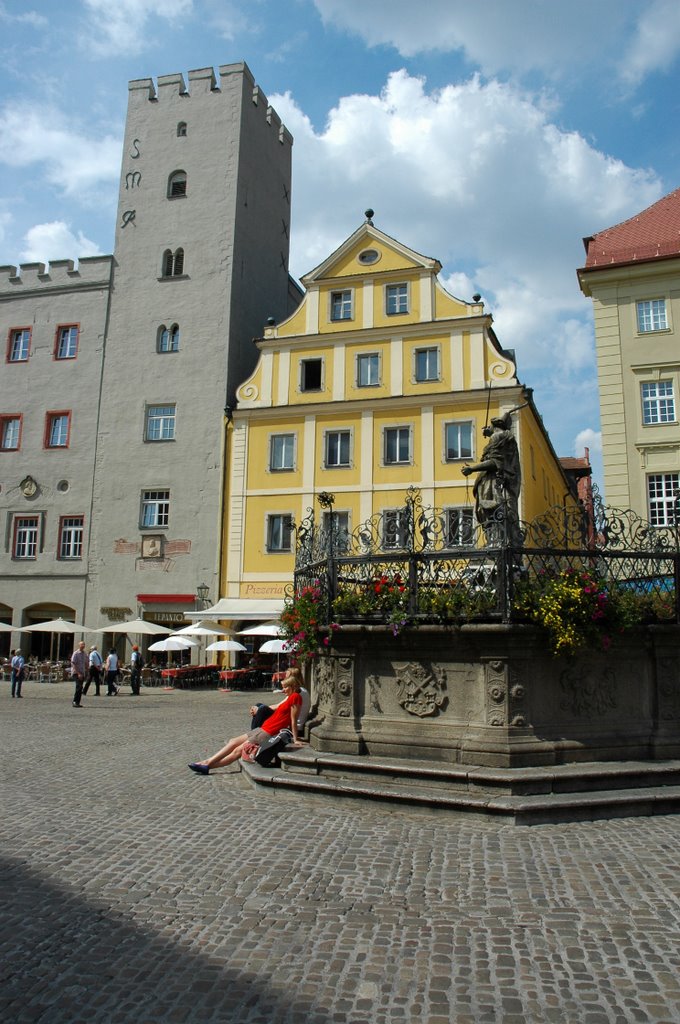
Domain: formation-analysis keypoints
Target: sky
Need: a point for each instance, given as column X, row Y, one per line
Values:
column 492, row 135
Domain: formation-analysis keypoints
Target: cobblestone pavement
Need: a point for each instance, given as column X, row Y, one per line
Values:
column 136, row 891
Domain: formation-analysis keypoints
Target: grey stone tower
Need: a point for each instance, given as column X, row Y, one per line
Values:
column 201, row 260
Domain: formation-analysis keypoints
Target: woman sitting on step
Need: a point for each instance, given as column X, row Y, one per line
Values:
column 285, row 716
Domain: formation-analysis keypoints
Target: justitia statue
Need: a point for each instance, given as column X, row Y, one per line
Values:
column 497, row 487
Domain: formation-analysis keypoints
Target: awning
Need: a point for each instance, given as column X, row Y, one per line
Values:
column 238, row 608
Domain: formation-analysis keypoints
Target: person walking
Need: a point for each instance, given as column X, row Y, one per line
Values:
column 112, row 673
column 17, row 672
column 94, row 673
column 136, row 666
column 80, row 667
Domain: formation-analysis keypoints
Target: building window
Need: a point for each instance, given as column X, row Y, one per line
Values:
column 396, row 299
column 25, row 537
column 310, row 374
column 281, row 452
column 651, row 315
column 341, row 305
column 427, row 364
column 168, row 338
column 662, row 490
column 340, row 526
column 66, row 346
column 177, row 185
column 71, row 537
column 57, row 429
column 19, row 345
column 160, row 423
column 397, row 445
column 155, row 509
column 368, row 370
column 394, row 528
column 10, row 433
column 459, row 527
column 658, row 402
column 182, row 130
column 173, row 263
column 337, row 448
column 280, row 532
column 458, row 440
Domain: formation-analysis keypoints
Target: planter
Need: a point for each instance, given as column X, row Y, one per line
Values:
column 493, row 695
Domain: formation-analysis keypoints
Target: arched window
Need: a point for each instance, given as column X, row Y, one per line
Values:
column 173, row 263
column 181, row 129
column 177, row 184
column 168, row 338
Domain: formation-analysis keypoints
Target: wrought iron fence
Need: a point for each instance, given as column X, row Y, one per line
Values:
column 430, row 564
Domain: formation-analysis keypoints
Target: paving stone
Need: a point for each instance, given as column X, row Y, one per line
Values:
column 139, row 892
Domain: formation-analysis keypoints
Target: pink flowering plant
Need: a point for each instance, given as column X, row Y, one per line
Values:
column 577, row 610
column 303, row 621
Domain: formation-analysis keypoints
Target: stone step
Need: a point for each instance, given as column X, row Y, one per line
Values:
column 523, row 796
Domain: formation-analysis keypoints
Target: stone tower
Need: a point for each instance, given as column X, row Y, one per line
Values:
column 201, row 260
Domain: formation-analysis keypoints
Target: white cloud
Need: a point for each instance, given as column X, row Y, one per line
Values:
column 121, row 27
column 590, row 439
column 494, row 35
column 5, row 221
column 656, row 42
column 55, row 241
column 72, row 161
column 25, row 18
column 477, row 175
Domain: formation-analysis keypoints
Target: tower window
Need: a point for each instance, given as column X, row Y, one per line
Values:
column 181, row 130
column 168, row 338
column 177, row 185
column 173, row 263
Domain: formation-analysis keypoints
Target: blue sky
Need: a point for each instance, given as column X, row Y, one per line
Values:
column 492, row 135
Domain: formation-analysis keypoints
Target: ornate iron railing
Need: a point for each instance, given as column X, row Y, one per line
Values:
column 432, row 564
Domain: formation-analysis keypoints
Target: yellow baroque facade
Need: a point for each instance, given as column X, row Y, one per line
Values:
column 379, row 381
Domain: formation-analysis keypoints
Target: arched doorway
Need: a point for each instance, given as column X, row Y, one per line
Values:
column 49, row 646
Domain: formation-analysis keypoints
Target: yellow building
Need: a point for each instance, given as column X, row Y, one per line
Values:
column 379, row 381
column 632, row 274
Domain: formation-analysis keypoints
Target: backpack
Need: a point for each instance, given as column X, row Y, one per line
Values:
column 269, row 752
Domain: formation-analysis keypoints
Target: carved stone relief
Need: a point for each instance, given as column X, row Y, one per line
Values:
column 496, row 689
column 344, row 687
column 325, row 684
column 587, row 692
column 420, row 691
column 373, row 683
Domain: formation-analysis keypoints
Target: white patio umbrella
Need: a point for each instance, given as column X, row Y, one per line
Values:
column 53, row 626
column 278, row 646
column 135, row 626
column 172, row 643
column 204, row 629
column 264, row 629
column 226, row 645
column 4, row 628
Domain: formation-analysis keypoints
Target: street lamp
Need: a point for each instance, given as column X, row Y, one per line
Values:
column 202, row 591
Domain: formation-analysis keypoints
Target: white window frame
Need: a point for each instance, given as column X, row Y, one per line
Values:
column 284, row 528
column 342, row 527
column 460, row 518
column 398, row 295
column 10, row 430
column 168, row 339
column 328, row 434
column 303, row 363
column 363, row 359
column 427, row 350
column 71, row 533
column 345, row 301
column 160, row 423
column 19, row 347
column 399, row 517
column 58, row 430
column 154, row 511
column 289, row 442
column 399, row 429
column 460, row 425
column 658, row 402
column 652, row 315
column 67, row 341
column 26, row 538
column 661, row 491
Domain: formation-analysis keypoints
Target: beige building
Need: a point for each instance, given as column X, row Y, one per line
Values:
column 632, row 274
column 117, row 373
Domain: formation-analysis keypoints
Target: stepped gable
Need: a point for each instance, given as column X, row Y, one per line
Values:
column 652, row 234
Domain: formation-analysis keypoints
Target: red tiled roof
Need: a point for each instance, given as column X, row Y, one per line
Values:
column 650, row 235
